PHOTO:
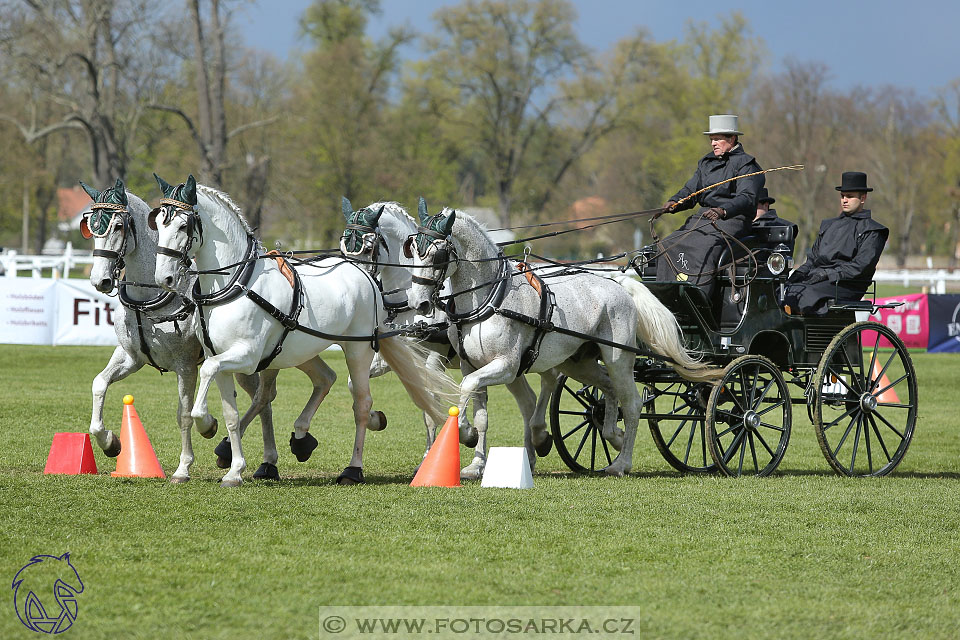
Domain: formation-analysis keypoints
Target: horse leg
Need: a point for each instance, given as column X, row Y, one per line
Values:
column 620, row 369
column 205, row 423
column 302, row 443
column 474, row 470
column 262, row 389
column 527, row 403
column 186, row 383
column 121, row 365
column 231, row 416
column 498, row 371
column 540, row 437
column 377, row 421
column 358, row 356
column 590, row 372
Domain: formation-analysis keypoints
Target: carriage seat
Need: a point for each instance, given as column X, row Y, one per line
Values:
column 762, row 241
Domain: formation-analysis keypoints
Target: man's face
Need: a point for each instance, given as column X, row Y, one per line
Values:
column 852, row 201
column 721, row 144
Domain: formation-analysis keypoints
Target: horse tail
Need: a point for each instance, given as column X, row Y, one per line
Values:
column 658, row 328
column 432, row 390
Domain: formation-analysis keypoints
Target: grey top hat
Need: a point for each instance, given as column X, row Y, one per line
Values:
column 723, row 125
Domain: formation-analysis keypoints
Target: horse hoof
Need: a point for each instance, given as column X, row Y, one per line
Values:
column 303, row 447
column 224, row 454
column 351, row 475
column 469, row 436
column 471, row 472
column 544, row 447
column 179, row 479
column 381, row 421
column 210, row 432
column 114, row 448
column 231, row 482
column 266, row 471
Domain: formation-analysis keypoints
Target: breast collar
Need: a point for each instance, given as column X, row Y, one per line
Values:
column 492, row 302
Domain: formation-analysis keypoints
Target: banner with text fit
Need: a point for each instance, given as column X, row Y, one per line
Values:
column 55, row 312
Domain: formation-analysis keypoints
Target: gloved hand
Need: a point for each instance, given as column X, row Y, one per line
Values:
column 818, row 275
column 670, row 207
column 714, row 213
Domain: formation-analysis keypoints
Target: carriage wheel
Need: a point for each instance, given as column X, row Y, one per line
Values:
column 679, row 430
column 576, row 420
column 748, row 418
column 865, row 401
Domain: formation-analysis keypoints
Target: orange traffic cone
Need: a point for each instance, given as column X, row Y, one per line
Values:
column 137, row 458
column 888, row 395
column 71, row 453
column 441, row 466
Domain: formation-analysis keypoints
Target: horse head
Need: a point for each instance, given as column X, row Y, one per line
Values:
column 111, row 226
column 177, row 222
column 361, row 238
column 433, row 255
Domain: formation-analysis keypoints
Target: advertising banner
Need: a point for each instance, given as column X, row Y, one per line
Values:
column 909, row 321
column 944, row 323
column 84, row 315
column 27, row 308
column 53, row 312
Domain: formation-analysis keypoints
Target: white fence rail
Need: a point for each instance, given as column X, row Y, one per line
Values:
column 13, row 265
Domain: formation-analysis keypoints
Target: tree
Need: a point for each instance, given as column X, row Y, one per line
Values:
column 505, row 58
column 209, row 128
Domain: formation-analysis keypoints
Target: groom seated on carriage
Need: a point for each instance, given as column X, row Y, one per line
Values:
column 691, row 253
column 844, row 257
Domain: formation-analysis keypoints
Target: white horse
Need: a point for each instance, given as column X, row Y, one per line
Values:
column 151, row 329
column 497, row 327
column 374, row 236
column 253, row 317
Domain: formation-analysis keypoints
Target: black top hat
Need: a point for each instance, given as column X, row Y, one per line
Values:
column 854, row 181
column 764, row 196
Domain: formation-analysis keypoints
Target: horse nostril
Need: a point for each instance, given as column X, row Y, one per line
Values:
column 423, row 307
column 105, row 285
column 168, row 282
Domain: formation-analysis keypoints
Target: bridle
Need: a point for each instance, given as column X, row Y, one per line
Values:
column 170, row 209
column 444, row 256
column 97, row 224
column 371, row 241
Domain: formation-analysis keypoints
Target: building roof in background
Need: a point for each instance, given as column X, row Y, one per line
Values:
column 72, row 203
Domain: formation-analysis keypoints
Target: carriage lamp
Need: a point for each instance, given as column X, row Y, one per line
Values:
column 776, row 263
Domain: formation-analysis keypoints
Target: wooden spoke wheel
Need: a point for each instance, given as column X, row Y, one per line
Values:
column 865, row 401
column 676, row 414
column 748, row 418
column 576, row 421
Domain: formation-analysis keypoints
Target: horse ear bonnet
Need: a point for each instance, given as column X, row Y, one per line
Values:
column 93, row 193
column 346, row 208
column 165, row 187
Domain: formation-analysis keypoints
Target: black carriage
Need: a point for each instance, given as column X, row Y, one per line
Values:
column 855, row 378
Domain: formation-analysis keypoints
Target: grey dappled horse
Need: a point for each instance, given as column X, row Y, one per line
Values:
column 151, row 329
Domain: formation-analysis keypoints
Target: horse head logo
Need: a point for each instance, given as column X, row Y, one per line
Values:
column 45, row 593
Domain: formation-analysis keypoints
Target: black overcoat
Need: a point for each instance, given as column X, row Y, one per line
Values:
column 692, row 251
column 846, row 252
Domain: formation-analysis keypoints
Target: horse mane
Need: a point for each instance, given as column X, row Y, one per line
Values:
column 227, row 202
column 466, row 226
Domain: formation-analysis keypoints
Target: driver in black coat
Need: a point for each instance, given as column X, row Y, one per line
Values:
column 843, row 259
column 691, row 253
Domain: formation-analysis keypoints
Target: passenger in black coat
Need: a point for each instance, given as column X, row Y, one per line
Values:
column 691, row 253
column 767, row 217
column 843, row 259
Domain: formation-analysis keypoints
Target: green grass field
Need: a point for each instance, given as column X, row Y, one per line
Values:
column 798, row 555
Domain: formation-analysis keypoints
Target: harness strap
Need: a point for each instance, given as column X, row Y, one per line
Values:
column 289, row 321
column 547, row 303
column 145, row 346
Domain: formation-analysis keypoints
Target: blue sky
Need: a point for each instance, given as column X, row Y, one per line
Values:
column 910, row 44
